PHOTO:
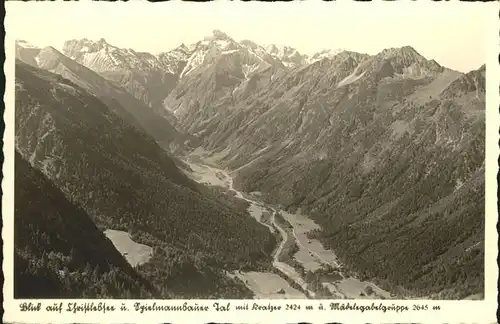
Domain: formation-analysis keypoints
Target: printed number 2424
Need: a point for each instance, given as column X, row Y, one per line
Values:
column 292, row 307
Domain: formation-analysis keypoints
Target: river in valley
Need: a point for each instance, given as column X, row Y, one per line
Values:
column 311, row 254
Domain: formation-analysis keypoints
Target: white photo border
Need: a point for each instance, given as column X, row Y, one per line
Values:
column 465, row 311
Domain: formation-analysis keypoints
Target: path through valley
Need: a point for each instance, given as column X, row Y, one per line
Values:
column 311, row 255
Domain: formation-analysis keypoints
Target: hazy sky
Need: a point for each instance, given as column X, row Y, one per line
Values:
column 452, row 33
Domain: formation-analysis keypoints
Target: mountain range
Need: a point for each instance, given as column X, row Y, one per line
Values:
column 385, row 152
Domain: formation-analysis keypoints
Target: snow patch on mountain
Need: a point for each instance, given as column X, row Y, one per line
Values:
column 37, row 60
column 289, row 56
column 101, row 56
column 249, row 69
column 229, row 52
column 222, row 44
column 173, row 60
column 326, row 53
column 193, row 62
column 351, row 78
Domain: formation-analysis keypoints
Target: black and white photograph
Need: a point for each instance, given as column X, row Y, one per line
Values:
column 229, row 151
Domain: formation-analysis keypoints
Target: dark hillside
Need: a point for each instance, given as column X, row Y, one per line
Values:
column 125, row 181
column 59, row 252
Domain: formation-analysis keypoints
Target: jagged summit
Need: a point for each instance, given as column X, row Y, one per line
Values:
column 47, row 57
column 408, row 48
column 326, row 53
column 277, row 49
column 249, row 43
column 220, row 35
column 27, row 52
column 147, row 77
column 407, row 62
column 407, row 53
column 217, row 35
column 289, row 56
column 215, row 42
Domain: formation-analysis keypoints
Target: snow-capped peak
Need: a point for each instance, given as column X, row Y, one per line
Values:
column 289, row 56
column 182, row 48
column 173, row 59
column 209, row 48
column 218, row 41
column 280, row 50
column 101, row 56
column 326, row 53
column 217, row 34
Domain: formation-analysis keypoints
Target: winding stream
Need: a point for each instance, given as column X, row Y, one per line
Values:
column 311, row 255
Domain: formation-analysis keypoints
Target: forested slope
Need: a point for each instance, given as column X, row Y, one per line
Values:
column 125, row 181
column 59, row 252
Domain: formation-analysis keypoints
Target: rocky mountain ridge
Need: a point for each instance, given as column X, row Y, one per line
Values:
column 144, row 75
column 151, row 77
column 119, row 100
